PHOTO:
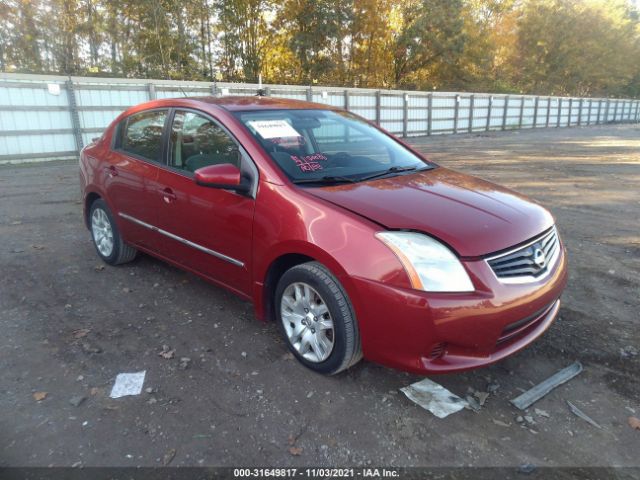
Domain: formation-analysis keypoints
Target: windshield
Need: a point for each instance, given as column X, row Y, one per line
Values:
column 323, row 146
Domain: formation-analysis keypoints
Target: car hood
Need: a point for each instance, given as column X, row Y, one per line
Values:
column 472, row 216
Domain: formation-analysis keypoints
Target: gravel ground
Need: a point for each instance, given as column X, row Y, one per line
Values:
column 70, row 325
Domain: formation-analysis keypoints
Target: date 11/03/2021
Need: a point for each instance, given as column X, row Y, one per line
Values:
column 316, row 473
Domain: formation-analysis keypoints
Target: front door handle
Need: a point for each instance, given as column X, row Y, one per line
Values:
column 167, row 195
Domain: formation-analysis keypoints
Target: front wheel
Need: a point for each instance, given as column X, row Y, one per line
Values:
column 317, row 319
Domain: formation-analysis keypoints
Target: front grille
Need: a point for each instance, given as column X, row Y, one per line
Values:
column 531, row 261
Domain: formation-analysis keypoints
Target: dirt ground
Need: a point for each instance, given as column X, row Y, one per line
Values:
column 70, row 325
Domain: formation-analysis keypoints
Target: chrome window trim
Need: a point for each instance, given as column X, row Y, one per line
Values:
column 219, row 255
column 529, row 278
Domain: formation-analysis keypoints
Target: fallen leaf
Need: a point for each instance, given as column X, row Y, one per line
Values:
column 167, row 352
column 634, row 422
column 81, row 332
column 295, row 451
column 291, row 440
column 168, row 457
column 94, row 390
column 39, row 396
column 98, row 268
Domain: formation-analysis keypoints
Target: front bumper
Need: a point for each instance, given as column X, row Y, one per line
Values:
column 425, row 332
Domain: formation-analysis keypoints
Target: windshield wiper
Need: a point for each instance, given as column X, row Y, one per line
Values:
column 391, row 170
column 325, row 179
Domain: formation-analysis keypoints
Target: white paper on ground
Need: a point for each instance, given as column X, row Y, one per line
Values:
column 274, row 129
column 434, row 397
column 128, row 384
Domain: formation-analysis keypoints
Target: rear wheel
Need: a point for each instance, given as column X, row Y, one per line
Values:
column 317, row 319
column 106, row 237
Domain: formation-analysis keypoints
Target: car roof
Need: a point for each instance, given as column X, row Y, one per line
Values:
column 256, row 102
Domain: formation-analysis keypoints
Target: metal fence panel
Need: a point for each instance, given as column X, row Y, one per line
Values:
column 45, row 117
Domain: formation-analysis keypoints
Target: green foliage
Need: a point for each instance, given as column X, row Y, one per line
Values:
column 565, row 47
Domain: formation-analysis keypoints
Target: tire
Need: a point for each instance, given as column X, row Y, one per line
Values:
column 302, row 295
column 103, row 227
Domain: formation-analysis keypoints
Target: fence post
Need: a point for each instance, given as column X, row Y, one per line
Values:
column 378, row 105
column 559, row 111
column 589, row 114
column 267, row 91
column 536, row 102
column 548, row 112
column 75, row 117
column 489, row 107
column 580, row 112
column 570, row 111
column 214, row 89
column 606, row 111
column 346, row 99
column 456, row 113
column 405, row 114
column 309, row 94
column 151, row 89
column 472, row 100
column 615, row 112
column 504, row 112
column 429, row 114
column 637, row 105
column 599, row 111
column 521, row 112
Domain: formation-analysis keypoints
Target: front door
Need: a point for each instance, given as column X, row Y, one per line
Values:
column 208, row 230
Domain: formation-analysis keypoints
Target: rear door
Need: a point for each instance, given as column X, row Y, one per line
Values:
column 208, row 230
column 131, row 172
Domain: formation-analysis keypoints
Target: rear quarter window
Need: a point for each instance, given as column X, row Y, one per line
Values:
column 141, row 134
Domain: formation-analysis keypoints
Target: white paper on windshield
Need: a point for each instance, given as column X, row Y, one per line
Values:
column 273, row 129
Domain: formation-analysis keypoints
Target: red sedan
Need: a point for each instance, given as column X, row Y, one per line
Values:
column 353, row 242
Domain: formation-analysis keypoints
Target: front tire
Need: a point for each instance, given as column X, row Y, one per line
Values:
column 106, row 237
column 317, row 319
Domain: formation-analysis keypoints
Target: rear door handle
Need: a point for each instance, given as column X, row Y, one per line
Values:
column 111, row 171
column 167, row 195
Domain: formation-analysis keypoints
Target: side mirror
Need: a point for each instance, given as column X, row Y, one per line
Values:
column 222, row 175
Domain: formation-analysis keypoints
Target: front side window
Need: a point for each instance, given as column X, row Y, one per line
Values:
column 196, row 142
column 315, row 146
column 142, row 134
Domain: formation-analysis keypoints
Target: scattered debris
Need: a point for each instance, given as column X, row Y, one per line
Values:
column 493, row 387
column 529, row 419
column 167, row 352
column 288, row 356
column 472, row 404
column 88, row 348
column 310, row 394
column 244, row 354
column 526, row 468
column 128, row 384
column 576, row 411
column 168, row 457
column 433, row 397
column 531, row 396
column 80, row 332
column 98, row 268
column 127, row 290
column 500, row 423
column 77, row 400
column 519, row 419
column 541, row 413
column 481, row 397
column 634, row 423
column 295, row 451
column 629, row 352
column 37, row 247
column 39, row 396
column 184, row 362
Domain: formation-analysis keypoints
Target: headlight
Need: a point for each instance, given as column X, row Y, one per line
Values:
column 430, row 265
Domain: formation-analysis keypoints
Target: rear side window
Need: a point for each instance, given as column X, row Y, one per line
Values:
column 141, row 134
